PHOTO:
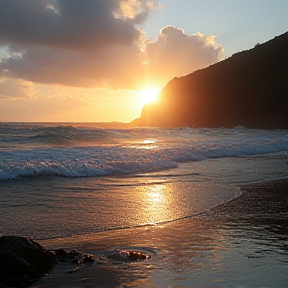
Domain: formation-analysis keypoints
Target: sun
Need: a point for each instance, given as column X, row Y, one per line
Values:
column 148, row 95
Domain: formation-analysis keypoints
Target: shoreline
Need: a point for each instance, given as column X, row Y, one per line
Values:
column 239, row 208
column 256, row 200
column 242, row 242
column 245, row 206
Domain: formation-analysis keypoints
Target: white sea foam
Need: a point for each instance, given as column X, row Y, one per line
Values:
column 87, row 152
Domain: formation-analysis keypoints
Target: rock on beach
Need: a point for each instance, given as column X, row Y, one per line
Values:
column 23, row 261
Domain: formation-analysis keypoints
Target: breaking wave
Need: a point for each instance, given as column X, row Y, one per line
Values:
column 87, row 152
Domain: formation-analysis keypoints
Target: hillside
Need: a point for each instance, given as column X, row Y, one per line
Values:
column 248, row 89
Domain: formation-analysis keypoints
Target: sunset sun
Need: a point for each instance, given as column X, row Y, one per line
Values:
column 148, row 95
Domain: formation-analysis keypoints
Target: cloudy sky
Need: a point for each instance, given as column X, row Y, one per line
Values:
column 91, row 60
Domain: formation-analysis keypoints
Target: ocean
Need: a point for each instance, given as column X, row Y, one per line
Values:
column 65, row 181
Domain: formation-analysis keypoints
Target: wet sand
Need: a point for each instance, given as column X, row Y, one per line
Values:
column 261, row 201
column 243, row 243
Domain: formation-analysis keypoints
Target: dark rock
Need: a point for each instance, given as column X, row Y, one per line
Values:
column 248, row 89
column 61, row 252
column 127, row 256
column 13, row 265
column 77, row 261
column 74, row 253
column 74, row 256
column 23, row 260
column 88, row 258
column 134, row 256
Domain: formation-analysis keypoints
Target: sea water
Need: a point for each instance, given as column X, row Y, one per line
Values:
column 140, row 188
column 60, row 180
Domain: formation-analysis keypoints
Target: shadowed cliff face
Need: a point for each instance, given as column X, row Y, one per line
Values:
column 248, row 89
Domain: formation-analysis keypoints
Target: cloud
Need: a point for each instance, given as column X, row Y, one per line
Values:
column 176, row 53
column 137, row 10
column 111, row 66
column 17, row 89
column 69, row 24
column 95, row 43
column 72, row 42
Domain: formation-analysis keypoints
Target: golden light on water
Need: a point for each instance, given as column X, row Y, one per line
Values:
column 149, row 144
column 149, row 141
column 157, row 202
column 145, row 144
column 156, row 194
column 156, row 197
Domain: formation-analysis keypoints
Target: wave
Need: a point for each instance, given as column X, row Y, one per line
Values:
column 87, row 152
column 90, row 162
column 75, row 162
column 59, row 136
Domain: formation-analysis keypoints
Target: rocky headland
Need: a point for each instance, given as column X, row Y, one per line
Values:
column 248, row 89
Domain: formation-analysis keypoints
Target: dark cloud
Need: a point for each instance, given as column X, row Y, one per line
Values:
column 93, row 43
column 113, row 66
column 73, row 24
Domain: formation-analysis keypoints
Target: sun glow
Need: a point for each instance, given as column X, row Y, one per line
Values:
column 148, row 95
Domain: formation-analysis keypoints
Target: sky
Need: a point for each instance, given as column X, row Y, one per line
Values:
column 100, row 60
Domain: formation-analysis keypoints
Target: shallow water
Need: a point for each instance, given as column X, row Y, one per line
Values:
column 53, row 207
column 101, row 189
column 46, row 208
column 153, row 214
column 194, row 252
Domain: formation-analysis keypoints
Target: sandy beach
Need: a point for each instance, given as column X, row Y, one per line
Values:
column 242, row 243
column 261, row 201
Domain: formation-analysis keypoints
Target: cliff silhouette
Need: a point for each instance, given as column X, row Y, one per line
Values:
column 248, row 89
